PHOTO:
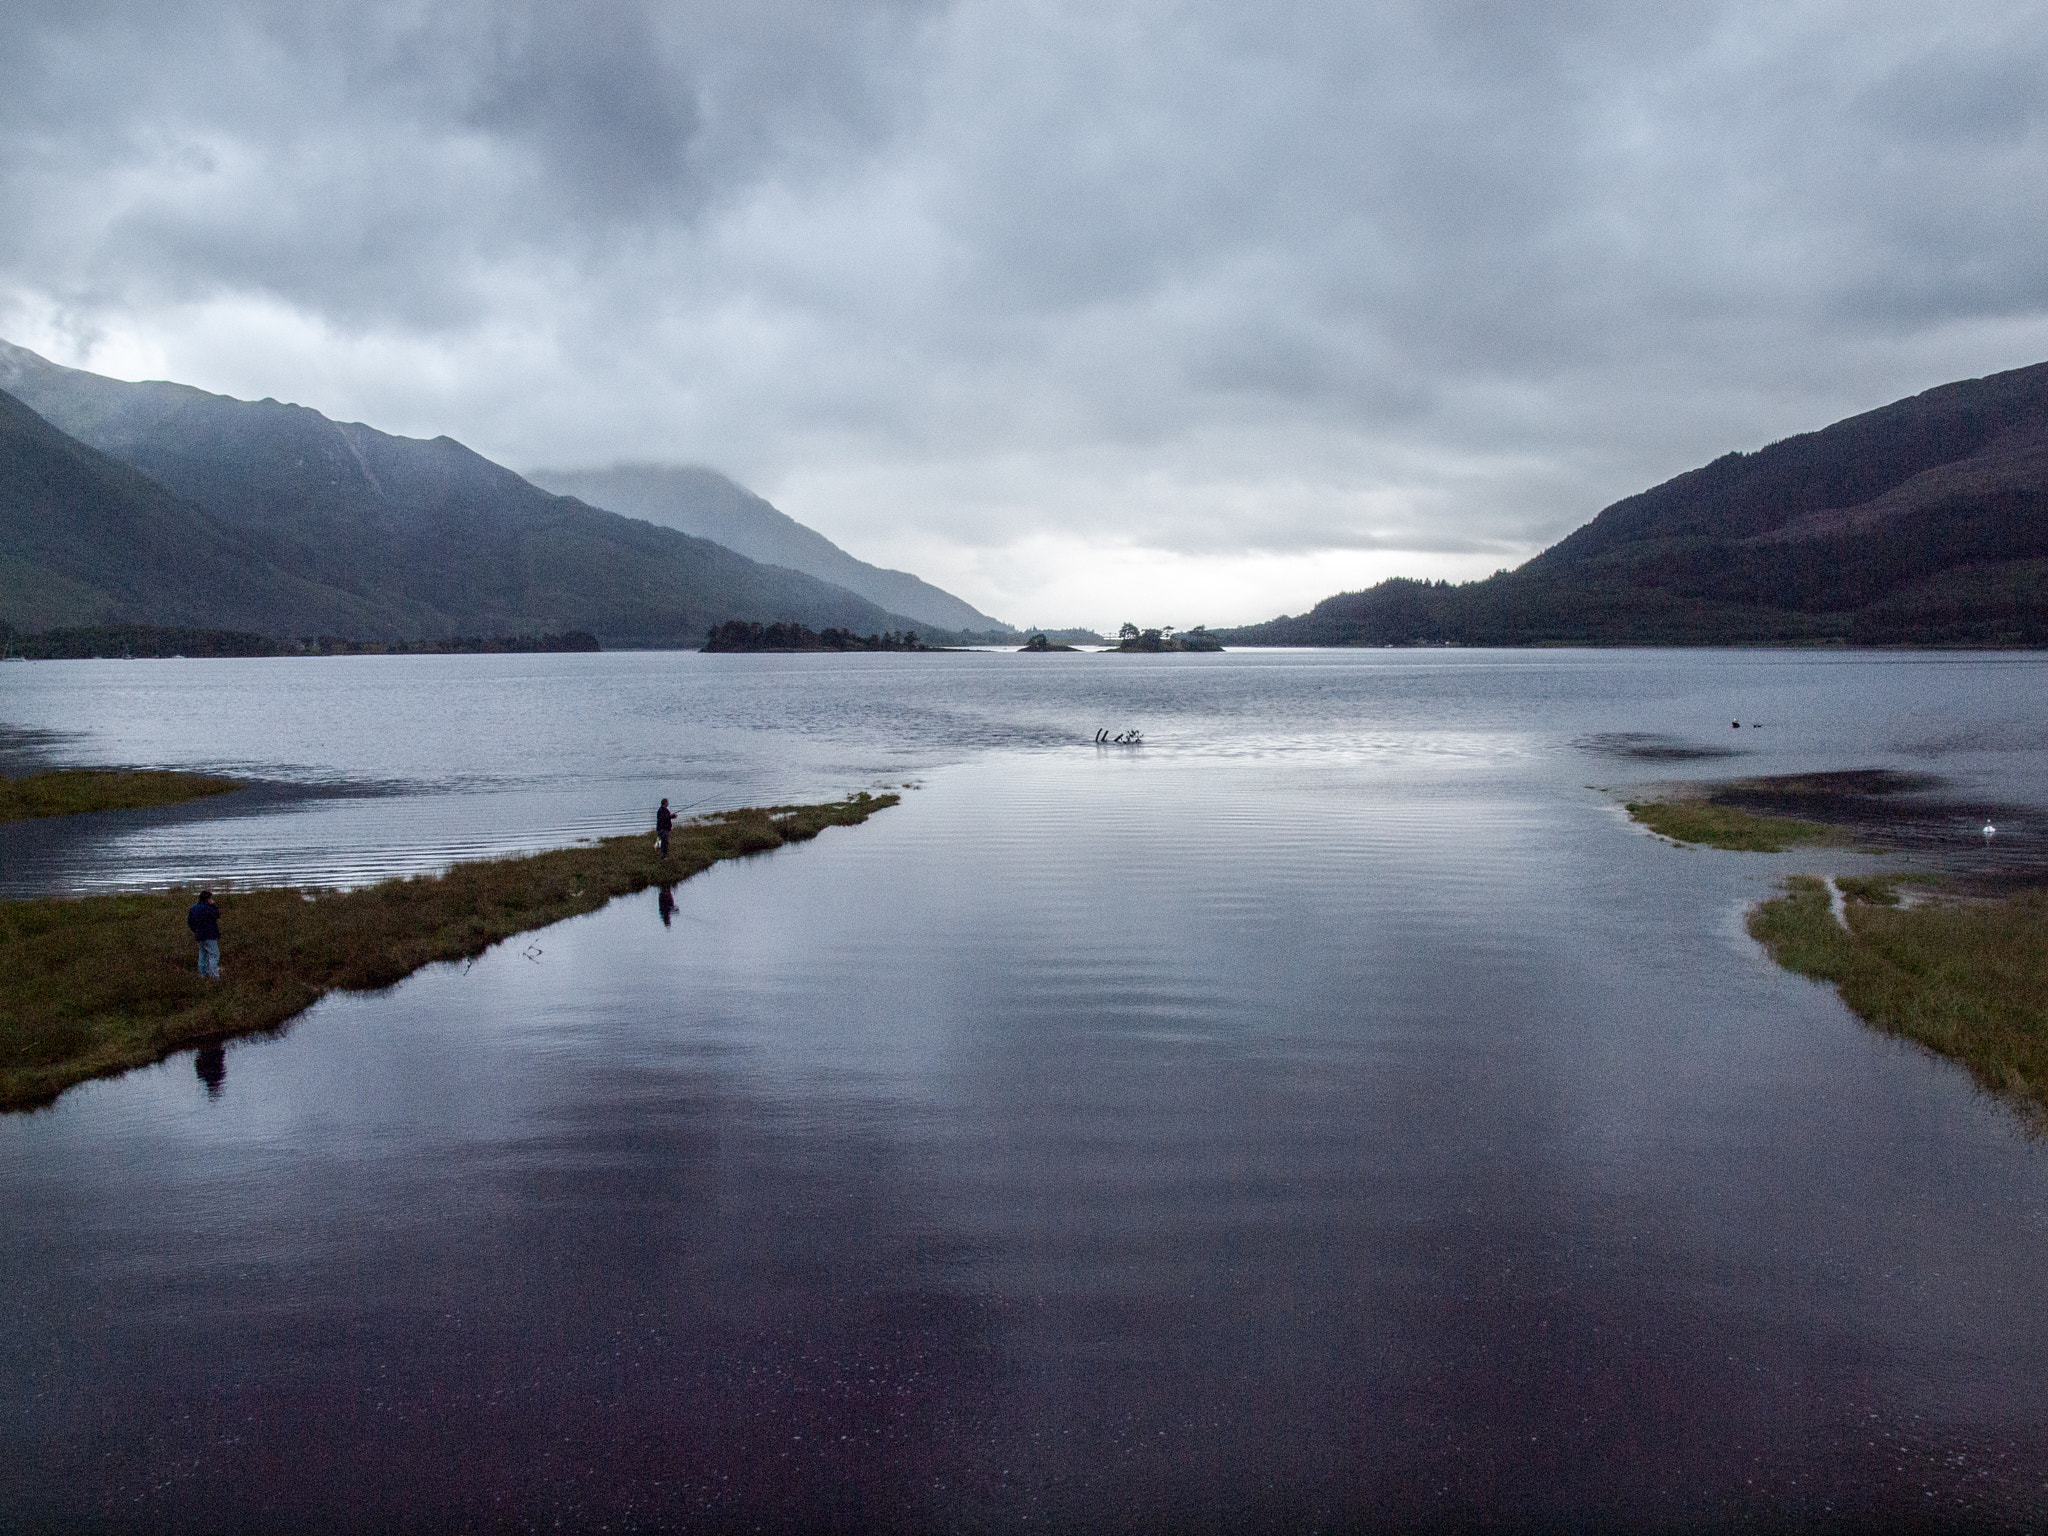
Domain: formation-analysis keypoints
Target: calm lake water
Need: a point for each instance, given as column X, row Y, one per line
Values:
column 1331, row 1113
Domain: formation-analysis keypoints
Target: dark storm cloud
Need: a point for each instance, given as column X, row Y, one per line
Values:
column 1194, row 277
column 372, row 161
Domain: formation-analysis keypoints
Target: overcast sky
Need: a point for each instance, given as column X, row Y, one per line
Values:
column 1175, row 312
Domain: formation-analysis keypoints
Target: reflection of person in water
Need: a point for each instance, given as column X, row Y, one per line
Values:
column 665, row 903
column 212, row 1067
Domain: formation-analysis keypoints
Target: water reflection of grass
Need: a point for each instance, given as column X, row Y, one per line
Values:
column 69, row 791
column 1968, row 979
column 93, row 986
column 1721, row 826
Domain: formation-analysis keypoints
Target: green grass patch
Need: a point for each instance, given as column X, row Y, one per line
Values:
column 1880, row 890
column 70, row 791
column 1720, row 826
column 93, row 986
column 1967, row 979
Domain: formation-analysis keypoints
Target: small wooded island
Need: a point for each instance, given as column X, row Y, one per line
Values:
column 1130, row 639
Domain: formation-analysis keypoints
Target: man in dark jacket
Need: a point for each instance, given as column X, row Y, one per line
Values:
column 663, row 820
column 204, row 921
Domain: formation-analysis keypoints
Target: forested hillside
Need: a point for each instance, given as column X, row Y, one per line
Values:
column 85, row 539
column 1924, row 522
column 311, row 526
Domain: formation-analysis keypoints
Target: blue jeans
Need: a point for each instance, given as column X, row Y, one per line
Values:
column 209, row 958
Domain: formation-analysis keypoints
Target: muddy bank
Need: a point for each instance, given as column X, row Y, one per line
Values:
column 1927, row 817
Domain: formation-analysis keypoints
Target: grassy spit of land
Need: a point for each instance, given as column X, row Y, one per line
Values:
column 1966, row 978
column 68, row 791
column 1721, row 826
column 93, row 986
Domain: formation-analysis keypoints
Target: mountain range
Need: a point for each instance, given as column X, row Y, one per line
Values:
column 157, row 503
column 705, row 503
column 86, row 539
column 1923, row 522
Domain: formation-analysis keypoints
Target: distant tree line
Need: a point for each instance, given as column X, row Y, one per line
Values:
column 454, row 645
column 950, row 638
column 739, row 635
column 1998, row 603
column 143, row 641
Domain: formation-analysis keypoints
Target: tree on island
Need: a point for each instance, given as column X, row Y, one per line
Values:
column 1132, row 638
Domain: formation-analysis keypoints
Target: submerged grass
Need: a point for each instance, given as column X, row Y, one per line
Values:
column 93, row 986
column 1721, row 826
column 1967, row 979
column 68, row 791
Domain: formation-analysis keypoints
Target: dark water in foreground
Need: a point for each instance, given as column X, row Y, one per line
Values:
column 1334, row 1114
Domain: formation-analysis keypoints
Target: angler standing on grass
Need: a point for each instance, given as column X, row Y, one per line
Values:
column 204, row 921
column 663, row 820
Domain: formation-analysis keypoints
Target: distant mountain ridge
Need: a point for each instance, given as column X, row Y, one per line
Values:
column 1922, row 522
column 705, row 503
column 86, row 539
column 294, row 524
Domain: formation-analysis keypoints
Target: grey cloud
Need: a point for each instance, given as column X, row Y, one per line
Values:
column 1984, row 93
column 593, row 104
column 374, row 161
column 1435, row 277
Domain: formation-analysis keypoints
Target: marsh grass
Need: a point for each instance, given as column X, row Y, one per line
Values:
column 1720, row 826
column 69, row 791
column 95, row 985
column 1881, row 890
column 1968, row 979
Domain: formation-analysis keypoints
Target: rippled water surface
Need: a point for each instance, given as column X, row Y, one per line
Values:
column 1330, row 1113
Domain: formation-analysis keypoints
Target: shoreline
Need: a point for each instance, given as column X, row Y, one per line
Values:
column 1963, row 974
column 1697, row 820
column 94, row 986
column 1966, row 979
column 64, row 792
